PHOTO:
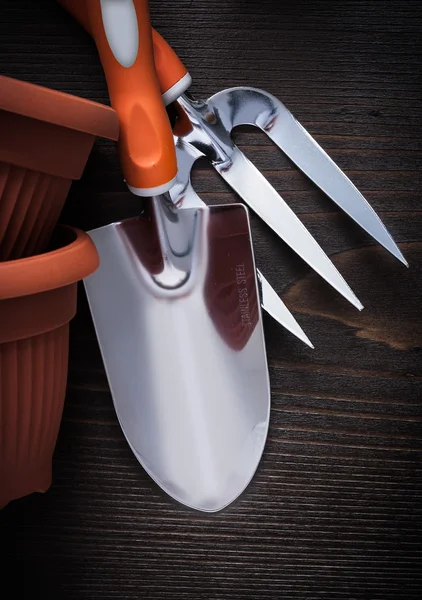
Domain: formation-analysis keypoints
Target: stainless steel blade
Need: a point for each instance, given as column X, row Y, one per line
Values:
column 244, row 105
column 176, row 311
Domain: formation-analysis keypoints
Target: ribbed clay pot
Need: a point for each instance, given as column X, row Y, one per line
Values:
column 46, row 137
column 37, row 302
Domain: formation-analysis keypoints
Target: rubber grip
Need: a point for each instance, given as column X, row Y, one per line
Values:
column 170, row 69
column 122, row 33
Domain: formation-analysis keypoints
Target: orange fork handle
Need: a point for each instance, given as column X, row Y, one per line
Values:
column 122, row 33
column 172, row 75
column 79, row 11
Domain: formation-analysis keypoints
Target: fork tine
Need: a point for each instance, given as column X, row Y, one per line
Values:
column 276, row 308
column 323, row 171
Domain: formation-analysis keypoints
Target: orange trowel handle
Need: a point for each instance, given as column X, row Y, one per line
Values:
column 172, row 75
column 122, row 33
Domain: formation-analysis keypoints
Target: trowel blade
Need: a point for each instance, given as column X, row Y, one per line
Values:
column 176, row 309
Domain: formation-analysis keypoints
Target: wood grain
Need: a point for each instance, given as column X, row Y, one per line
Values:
column 334, row 510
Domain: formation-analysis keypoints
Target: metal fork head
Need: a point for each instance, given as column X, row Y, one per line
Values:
column 252, row 106
column 204, row 133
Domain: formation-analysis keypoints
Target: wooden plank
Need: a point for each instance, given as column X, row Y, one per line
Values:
column 334, row 510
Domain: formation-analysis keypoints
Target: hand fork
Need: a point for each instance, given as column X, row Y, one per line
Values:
column 211, row 123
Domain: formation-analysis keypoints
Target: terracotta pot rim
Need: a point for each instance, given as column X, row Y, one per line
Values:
column 71, row 262
column 58, row 108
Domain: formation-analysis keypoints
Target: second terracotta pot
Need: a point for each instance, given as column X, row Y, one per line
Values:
column 37, row 302
column 46, row 138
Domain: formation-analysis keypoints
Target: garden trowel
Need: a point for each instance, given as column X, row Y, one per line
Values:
column 175, row 301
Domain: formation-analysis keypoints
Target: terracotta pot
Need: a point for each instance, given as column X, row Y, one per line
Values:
column 37, row 301
column 46, row 138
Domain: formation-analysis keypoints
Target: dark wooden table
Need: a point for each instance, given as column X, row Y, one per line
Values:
column 334, row 510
